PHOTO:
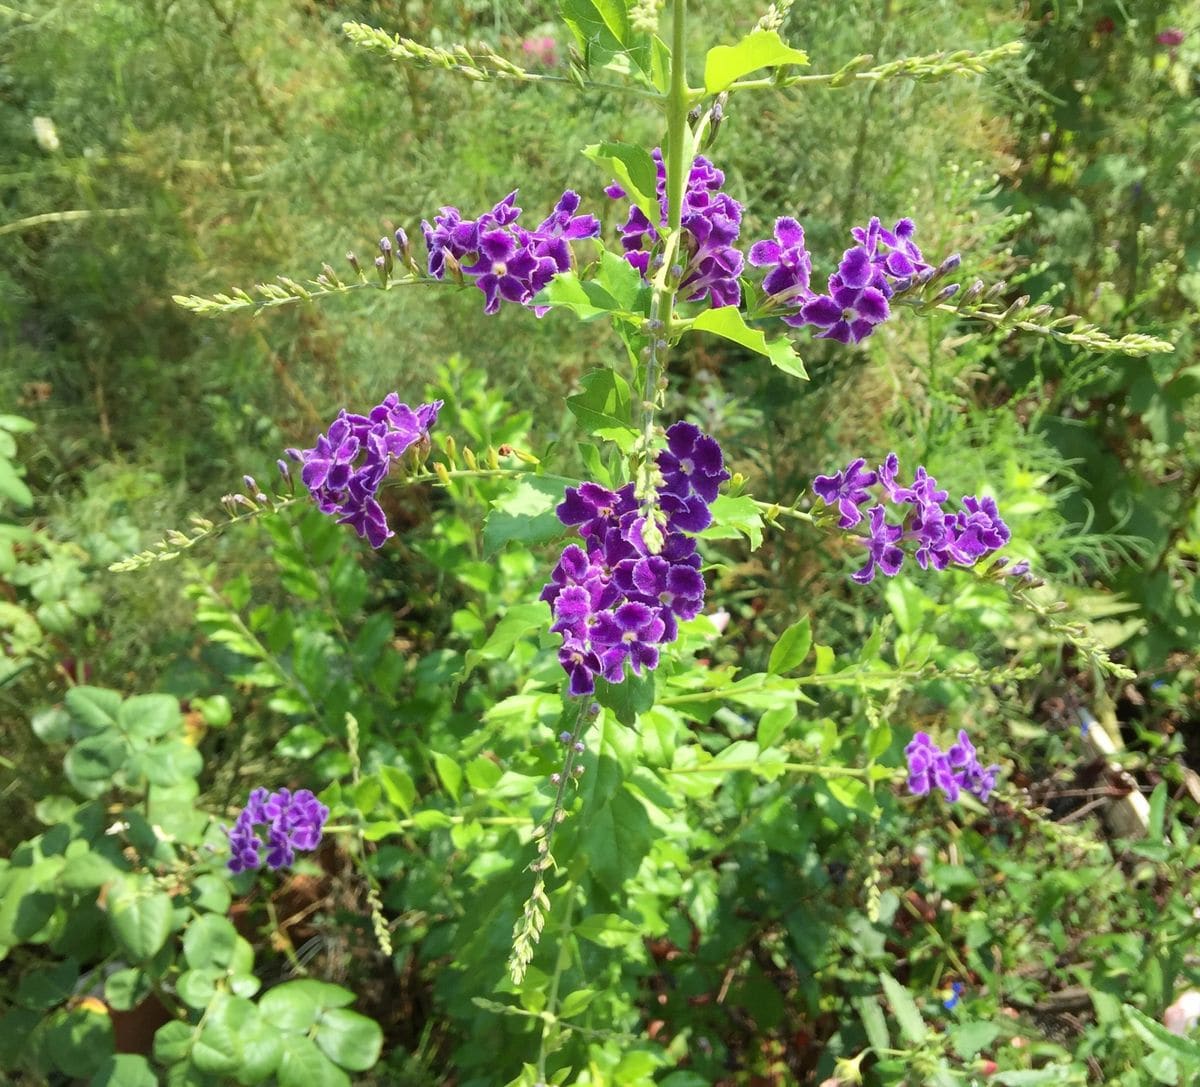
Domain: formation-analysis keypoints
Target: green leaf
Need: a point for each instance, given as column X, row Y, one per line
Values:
column 94, row 761
column 49, row 986
column 171, row 763
column 399, row 787
column 450, row 773
column 172, row 1042
column 218, row 1049
column 302, row 1064
column 874, row 1024
column 735, row 516
column 1154, row 1034
column 209, row 942
column 94, row 708
column 912, row 1026
column 728, row 323
column 126, row 989
column 518, row 623
column 482, row 774
column 86, row 870
column 52, row 725
column 148, row 716
column 604, row 408
column 301, row 742
column 1056, row 1075
column 349, row 1039
column 80, row 1041
column 791, row 649
column 525, row 515
column 295, row 1006
column 196, row 988
column 12, row 486
column 759, row 49
column 634, row 695
column 125, row 1070
column 576, row 1002
column 771, row 725
column 969, row 1038
column 140, row 919
column 635, row 171
column 1158, row 808
column 27, row 901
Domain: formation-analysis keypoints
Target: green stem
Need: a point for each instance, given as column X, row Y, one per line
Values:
column 717, row 767
column 560, row 965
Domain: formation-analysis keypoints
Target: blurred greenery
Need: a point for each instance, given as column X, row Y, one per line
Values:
column 737, row 936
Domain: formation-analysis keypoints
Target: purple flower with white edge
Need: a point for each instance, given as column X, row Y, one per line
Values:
column 847, row 490
column 692, row 463
column 293, row 821
column 344, row 469
column 790, row 267
column 630, row 632
column 882, row 551
column 847, row 314
column 921, row 754
column 892, row 252
column 710, row 224
column 617, row 598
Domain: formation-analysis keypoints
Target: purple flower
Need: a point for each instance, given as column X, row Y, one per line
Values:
column 847, row 313
column 507, row 262
column 790, row 264
column 631, row 631
column 882, row 552
column 294, row 821
column 344, row 469
column 1172, row 37
column 891, row 252
column 692, row 463
column 847, row 490
column 938, row 537
column 615, row 601
column 954, row 770
column 711, row 221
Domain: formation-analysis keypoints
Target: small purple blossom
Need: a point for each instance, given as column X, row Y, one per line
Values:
column 345, row 468
column 614, row 601
column 936, row 536
column 790, row 267
column 954, row 770
column 847, row 313
column 847, row 490
column 507, row 262
column 1172, row 37
column 711, row 222
column 293, row 821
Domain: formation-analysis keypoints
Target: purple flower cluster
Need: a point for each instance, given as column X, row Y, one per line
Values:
column 344, row 469
column 293, row 820
column 941, row 538
column 711, row 223
column 615, row 600
column 869, row 273
column 505, row 260
column 953, row 771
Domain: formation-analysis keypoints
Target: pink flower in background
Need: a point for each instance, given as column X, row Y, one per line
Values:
column 543, row 50
column 1171, row 37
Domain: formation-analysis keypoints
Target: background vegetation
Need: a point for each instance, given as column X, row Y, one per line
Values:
column 739, row 934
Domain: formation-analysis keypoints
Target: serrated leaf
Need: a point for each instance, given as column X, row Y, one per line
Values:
column 904, row 1008
column 148, row 716
column 874, row 1024
column 728, row 323
column 450, row 774
column 525, row 515
column 791, row 649
column 604, row 407
column 759, row 49
column 95, row 708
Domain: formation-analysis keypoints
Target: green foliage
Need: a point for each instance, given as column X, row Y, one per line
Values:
column 728, row 883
